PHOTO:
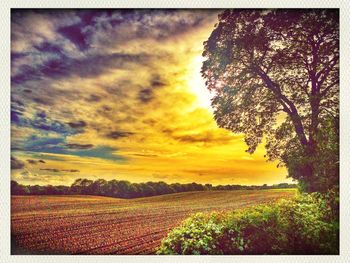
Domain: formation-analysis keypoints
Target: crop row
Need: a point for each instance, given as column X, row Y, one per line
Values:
column 90, row 225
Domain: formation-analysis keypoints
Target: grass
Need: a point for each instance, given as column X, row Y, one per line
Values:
column 102, row 225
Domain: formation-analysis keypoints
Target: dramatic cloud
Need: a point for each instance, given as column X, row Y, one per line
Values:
column 118, row 94
column 118, row 134
column 16, row 164
column 93, row 98
column 59, row 170
column 88, row 67
column 74, row 33
column 79, row 146
column 78, row 124
column 35, row 161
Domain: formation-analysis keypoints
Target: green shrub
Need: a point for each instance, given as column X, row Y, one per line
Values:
column 306, row 224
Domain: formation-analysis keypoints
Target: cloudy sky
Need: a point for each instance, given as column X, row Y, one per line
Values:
column 119, row 95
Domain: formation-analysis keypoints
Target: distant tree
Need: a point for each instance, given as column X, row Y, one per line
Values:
column 98, row 187
column 134, row 190
column 63, row 190
column 76, row 186
column 275, row 73
column 51, row 190
column 208, row 187
column 283, row 185
column 37, row 190
column 178, row 187
column 124, row 189
column 17, row 189
column 147, row 189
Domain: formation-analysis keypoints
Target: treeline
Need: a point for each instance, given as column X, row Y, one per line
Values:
column 125, row 189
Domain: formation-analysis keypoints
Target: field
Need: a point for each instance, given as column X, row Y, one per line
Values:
column 102, row 225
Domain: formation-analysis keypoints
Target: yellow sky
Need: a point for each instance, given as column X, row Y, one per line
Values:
column 169, row 136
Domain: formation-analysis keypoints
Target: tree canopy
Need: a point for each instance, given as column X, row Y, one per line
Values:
column 275, row 75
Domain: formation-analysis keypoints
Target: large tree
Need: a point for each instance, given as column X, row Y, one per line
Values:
column 275, row 74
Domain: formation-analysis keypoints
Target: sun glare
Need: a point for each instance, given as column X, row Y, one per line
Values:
column 197, row 84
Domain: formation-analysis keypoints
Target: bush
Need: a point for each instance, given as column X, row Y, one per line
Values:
column 306, row 224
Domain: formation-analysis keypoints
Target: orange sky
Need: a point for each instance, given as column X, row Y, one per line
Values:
column 147, row 119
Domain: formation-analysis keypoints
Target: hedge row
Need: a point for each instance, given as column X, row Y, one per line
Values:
column 306, row 224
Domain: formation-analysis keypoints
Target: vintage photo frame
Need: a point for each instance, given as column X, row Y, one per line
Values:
column 5, row 208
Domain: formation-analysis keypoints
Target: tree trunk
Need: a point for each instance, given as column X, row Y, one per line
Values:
column 309, row 175
column 311, row 150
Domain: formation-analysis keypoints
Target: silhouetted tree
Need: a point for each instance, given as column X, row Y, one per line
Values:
column 276, row 73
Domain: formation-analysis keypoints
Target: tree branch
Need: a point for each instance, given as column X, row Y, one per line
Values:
column 326, row 70
column 287, row 105
column 324, row 92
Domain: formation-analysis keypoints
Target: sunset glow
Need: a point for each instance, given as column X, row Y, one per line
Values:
column 119, row 95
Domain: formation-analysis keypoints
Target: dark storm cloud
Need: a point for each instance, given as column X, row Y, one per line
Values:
column 42, row 122
column 79, row 146
column 17, row 55
column 26, row 73
column 121, row 26
column 54, row 126
column 51, row 55
column 43, row 94
column 106, row 108
column 17, row 104
column 157, row 82
column 17, row 109
column 59, row 170
column 51, row 170
column 118, row 134
column 56, row 58
column 145, row 95
column 119, row 87
column 80, row 26
column 93, row 98
column 206, row 137
column 77, row 124
column 31, row 161
column 49, row 48
column 47, row 157
column 86, row 67
column 15, row 116
column 75, row 35
column 44, row 100
column 16, row 164
column 41, row 114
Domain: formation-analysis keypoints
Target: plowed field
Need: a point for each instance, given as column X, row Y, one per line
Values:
column 102, row 225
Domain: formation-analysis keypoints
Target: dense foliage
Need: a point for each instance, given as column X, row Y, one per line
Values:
column 306, row 224
column 275, row 74
column 125, row 189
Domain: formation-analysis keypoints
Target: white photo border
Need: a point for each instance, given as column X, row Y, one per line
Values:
column 5, row 173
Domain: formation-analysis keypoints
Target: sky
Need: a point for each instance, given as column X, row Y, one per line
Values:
column 118, row 94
